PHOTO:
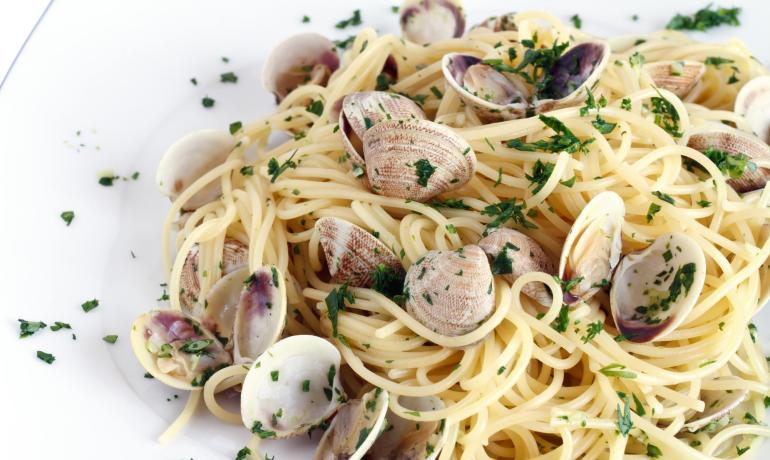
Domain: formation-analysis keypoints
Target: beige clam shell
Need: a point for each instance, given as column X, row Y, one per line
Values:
column 352, row 253
column 735, row 142
column 502, row 23
column 397, row 151
column 718, row 404
column 751, row 93
column 307, row 58
column 592, row 248
column 260, row 315
column 361, row 111
column 234, row 256
column 404, row 440
column 429, row 21
column 526, row 256
column 679, row 77
column 451, row 292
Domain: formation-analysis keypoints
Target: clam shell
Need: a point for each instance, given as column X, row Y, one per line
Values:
column 679, row 77
column 718, row 404
column 525, row 255
column 234, row 256
column 451, row 292
column 750, row 93
column 502, row 23
column 189, row 158
column 734, row 142
column 403, row 440
column 352, row 253
column 260, row 315
column 645, row 281
column 168, row 333
column 222, row 302
column 758, row 117
column 307, row 58
column 396, row 150
column 484, row 78
column 355, row 427
column 568, row 82
column 428, row 21
column 592, row 248
column 275, row 400
column 361, row 111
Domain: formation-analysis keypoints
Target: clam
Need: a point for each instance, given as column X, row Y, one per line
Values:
column 293, row 386
column 427, row 21
column 753, row 102
column 416, row 159
column 355, row 427
column 578, row 68
column 718, row 405
column 740, row 146
column 491, row 94
column 654, row 290
column 679, row 77
column 260, row 315
column 592, row 248
column 352, row 253
column 405, row 439
column 513, row 254
column 307, row 58
column 502, row 23
column 222, row 302
column 234, row 256
column 451, row 292
column 361, row 111
column 189, row 158
column 176, row 349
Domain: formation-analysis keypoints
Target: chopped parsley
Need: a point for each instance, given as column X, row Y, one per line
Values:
column 235, row 127
column 624, row 422
column 664, row 196
column 753, row 332
column 717, row 61
column 541, row 172
column 59, row 325
column 505, row 211
column 27, row 328
column 625, row 104
column 362, row 435
column 89, row 305
column 47, row 357
column 651, row 211
column 354, row 20
column 500, row 370
column 683, row 279
column 244, row 453
column 208, row 102
column 342, row 44
column 653, row 451
column 275, row 170
column 563, row 140
column 196, row 347
column 305, row 20
column 305, row 386
column 111, row 339
column 67, row 217
column 741, row 450
column 263, row 434
column 603, row 126
column 592, row 331
column 569, row 182
column 247, row 170
column 228, row 77
column 576, row 21
column 451, row 203
column 316, row 107
column 666, row 115
column 704, row 203
column 424, row 170
column 541, row 61
column 561, row 322
column 617, row 370
column 705, row 18
column 388, row 281
column 733, row 165
column 274, row 375
column 436, row 92
column 335, row 302
column 107, row 181
column 636, row 60
column 502, row 263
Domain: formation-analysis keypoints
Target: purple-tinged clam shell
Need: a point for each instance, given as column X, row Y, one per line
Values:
column 307, row 58
column 428, row 21
column 260, row 315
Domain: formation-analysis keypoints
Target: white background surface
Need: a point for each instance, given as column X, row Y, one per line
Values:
column 119, row 72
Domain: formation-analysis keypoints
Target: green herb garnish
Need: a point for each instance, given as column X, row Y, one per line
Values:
column 275, row 170
column 47, row 357
column 67, row 217
column 705, row 18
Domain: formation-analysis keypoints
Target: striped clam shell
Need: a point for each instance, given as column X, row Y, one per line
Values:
column 679, row 77
column 352, row 253
column 234, row 256
column 525, row 256
column 451, row 292
column 416, row 159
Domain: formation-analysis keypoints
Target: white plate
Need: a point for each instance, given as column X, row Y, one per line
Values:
column 119, row 72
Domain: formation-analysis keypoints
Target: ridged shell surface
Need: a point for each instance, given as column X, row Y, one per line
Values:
column 679, row 77
column 234, row 256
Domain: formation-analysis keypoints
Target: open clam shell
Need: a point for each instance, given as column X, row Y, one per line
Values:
column 737, row 143
column 513, row 254
column 577, row 69
column 260, row 315
column 753, row 102
column 234, row 256
column 293, row 386
column 307, row 58
column 654, row 290
column 222, row 302
column 352, row 253
column 355, row 427
column 451, row 292
column 679, row 77
column 502, row 23
column 592, row 248
column 361, row 111
column 428, row 21
column 719, row 404
column 492, row 95
column 405, row 439
column 189, row 158
column 416, row 159
column 176, row 349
